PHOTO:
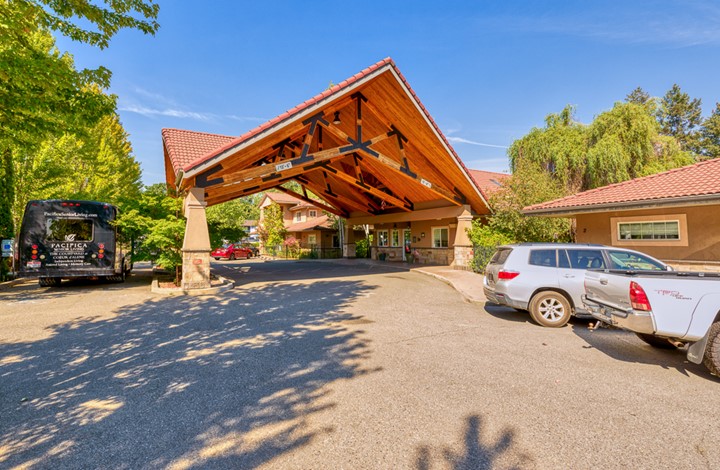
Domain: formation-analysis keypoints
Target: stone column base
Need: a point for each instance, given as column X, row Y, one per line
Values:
column 349, row 250
column 463, row 256
column 196, row 270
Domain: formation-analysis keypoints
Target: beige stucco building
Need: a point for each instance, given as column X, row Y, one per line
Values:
column 673, row 215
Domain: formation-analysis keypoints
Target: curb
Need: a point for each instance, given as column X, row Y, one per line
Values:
column 8, row 284
column 225, row 286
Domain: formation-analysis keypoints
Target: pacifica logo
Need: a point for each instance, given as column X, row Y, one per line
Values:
column 70, row 237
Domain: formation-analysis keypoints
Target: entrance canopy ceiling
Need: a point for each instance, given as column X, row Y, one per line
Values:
column 366, row 146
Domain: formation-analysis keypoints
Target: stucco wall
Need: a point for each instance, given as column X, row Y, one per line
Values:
column 699, row 232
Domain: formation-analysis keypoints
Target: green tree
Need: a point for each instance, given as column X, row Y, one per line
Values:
column 529, row 184
column 710, row 135
column 624, row 143
column 225, row 221
column 272, row 229
column 153, row 222
column 638, row 96
column 7, row 227
column 679, row 116
column 559, row 148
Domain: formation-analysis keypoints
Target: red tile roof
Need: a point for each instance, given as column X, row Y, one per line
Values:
column 185, row 147
column 488, row 181
column 698, row 181
column 282, row 198
column 316, row 223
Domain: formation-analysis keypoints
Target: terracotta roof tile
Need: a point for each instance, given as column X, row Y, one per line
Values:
column 185, row 147
column 283, row 198
column 488, row 181
column 700, row 179
column 317, row 223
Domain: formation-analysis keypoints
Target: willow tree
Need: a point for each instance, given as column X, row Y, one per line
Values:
column 559, row 148
column 625, row 143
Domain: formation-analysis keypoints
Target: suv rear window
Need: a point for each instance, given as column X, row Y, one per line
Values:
column 500, row 256
column 543, row 258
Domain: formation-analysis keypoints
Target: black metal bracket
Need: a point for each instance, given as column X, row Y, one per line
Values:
column 202, row 181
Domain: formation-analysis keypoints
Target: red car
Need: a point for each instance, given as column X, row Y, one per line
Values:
column 231, row 251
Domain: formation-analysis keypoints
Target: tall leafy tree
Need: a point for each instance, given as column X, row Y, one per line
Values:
column 272, row 229
column 710, row 135
column 679, row 115
column 225, row 221
column 624, row 143
column 559, row 148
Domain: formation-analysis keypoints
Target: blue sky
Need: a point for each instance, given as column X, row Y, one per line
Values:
column 486, row 71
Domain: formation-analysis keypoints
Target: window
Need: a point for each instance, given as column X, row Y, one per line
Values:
column 69, row 230
column 655, row 230
column 586, row 259
column 312, row 213
column 382, row 237
column 298, row 216
column 543, row 258
column 632, row 260
column 312, row 240
column 440, row 237
column 395, row 238
column 563, row 261
column 500, row 256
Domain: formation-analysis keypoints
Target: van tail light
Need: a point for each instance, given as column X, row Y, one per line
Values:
column 507, row 275
column 638, row 297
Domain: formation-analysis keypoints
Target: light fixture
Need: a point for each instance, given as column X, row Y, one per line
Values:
column 422, row 234
column 336, row 119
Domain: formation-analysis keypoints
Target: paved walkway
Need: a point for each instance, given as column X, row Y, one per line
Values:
column 468, row 283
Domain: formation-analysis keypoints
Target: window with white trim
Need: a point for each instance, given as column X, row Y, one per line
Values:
column 382, row 237
column 440, row 236
column 311, row 239
column 312, row 214
column 655, row 230
column 395, row 239
column 298, row 216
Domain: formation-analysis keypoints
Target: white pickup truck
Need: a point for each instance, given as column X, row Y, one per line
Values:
column 665, row 309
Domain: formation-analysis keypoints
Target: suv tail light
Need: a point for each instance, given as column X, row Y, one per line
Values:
column 507, row 275
column 638, row 297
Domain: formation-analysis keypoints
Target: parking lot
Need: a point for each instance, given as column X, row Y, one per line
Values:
column 322, row 365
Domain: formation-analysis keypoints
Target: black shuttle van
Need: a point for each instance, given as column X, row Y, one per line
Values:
column 70, row 239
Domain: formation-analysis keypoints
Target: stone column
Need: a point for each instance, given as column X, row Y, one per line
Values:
column 348, row 241
column 463, row 247
column 196, row 244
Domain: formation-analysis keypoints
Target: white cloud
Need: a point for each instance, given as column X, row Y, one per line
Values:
column 148, row 112
column 460, row 140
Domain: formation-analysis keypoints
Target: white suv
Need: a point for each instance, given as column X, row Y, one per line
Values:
column 547, row 278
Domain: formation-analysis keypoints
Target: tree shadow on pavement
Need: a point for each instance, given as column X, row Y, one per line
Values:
column 627, row 347
column 476, row 452
column 213, row 382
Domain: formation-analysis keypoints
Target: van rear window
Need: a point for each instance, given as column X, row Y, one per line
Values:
column 500, row 256
column 69, row 230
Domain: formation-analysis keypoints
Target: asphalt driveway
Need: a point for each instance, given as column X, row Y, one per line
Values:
column 316, row 365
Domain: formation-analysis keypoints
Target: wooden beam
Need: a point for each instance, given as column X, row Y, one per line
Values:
column 400, row 169
column 338, row 199
column 336, row 173
column 332, row 210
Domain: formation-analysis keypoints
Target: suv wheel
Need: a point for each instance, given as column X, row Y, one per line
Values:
column 550, row 309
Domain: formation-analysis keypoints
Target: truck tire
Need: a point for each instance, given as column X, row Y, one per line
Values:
column 550, row 309
column 712, row 351
column 656, row 341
